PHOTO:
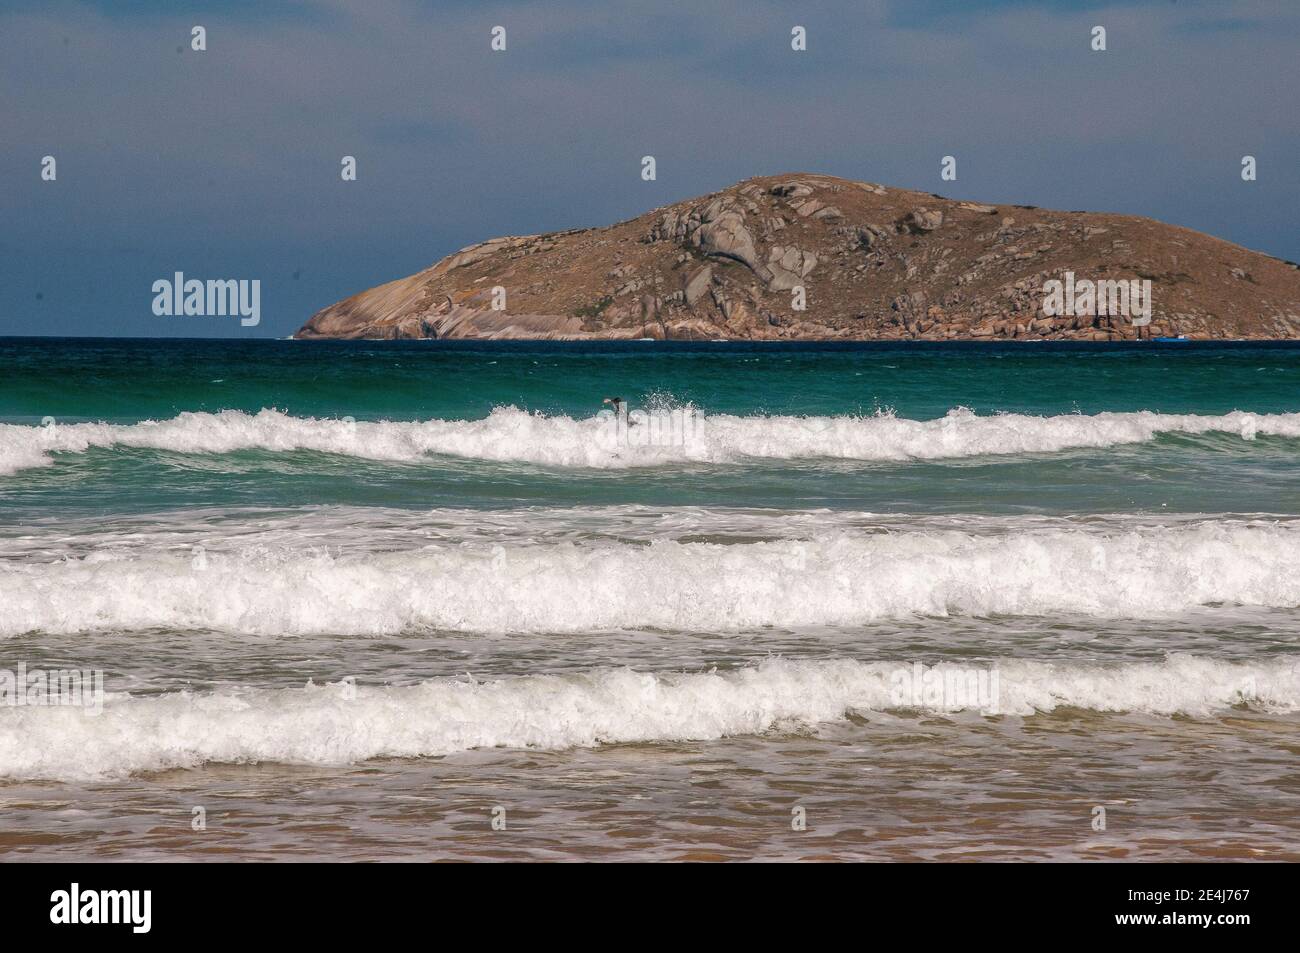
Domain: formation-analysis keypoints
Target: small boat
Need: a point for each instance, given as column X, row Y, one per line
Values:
column 1182, row 338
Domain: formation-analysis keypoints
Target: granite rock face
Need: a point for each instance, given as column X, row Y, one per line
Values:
column 873, row 263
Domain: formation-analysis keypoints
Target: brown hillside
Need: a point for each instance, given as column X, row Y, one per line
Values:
column 877, row 264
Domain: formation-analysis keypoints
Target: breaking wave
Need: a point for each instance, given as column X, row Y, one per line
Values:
column 683, row 435
column 342, row 723
column 828, row 577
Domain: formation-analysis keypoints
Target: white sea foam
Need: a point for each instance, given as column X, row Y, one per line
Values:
column 678, row 436
column 828, row 577
column 339, row 724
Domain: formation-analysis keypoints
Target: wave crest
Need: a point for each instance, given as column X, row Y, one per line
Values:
column 340, row 724
column 680, row 435
column 828, row 578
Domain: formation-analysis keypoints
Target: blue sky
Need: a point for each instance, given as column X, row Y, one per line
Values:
column 225, row 163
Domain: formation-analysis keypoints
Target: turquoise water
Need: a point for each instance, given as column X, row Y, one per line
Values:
column 129, row 380
column 400, row 584
column 125, row 382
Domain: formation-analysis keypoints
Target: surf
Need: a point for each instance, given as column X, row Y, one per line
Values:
column 825, row 577
column 344, row 723
column 682, row 435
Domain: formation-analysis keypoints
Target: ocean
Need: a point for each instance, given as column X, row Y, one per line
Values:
column 436, row 600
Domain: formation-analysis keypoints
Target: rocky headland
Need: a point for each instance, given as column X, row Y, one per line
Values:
column 873, row 263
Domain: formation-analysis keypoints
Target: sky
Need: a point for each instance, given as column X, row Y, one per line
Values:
column 225, row 163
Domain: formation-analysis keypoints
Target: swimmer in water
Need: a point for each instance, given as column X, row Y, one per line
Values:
column 620, row 408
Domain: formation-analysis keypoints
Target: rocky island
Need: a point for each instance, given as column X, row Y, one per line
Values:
column 866, row 262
